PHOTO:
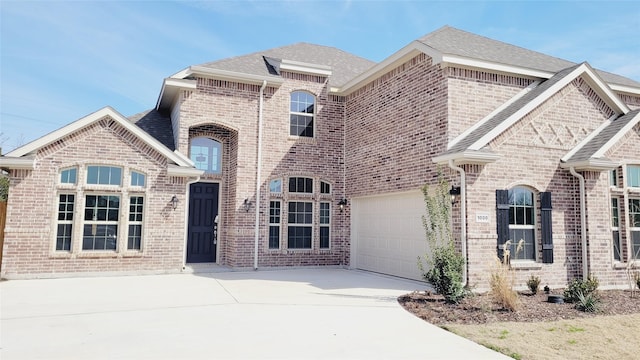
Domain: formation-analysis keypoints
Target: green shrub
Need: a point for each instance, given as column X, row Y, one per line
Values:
column 445, row 273
column 636, row 278
column 533, row 284
column 4, row 188
column 588, row 302
column 580, row 286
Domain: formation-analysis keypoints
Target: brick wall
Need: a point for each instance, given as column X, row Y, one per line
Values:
column 33, row 203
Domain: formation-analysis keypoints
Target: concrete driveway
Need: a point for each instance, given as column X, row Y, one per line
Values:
column 289, row 314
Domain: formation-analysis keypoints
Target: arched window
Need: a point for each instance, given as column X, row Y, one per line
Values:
column 522, row 224
column 302, row 110
column 206, row 154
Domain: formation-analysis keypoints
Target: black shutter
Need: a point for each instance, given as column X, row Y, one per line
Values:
column 502, row 219
column 545, row 224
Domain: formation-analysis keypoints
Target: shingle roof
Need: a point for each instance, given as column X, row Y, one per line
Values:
column 464, row 143
column 587, row 150
column 157, row 125
column 452, row 41
column 345, row 66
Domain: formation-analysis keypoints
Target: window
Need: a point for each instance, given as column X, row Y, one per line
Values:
column 101, row 214
column 302, row 113
column 325, row 224
column 275, row 186
column 65, row 222
column 136, row 207
column 613, row 178
column 68, row 176
column 206, row 154
column 137, row 179
column 274, row 224
column 104, row 175
column 301, row 185
column 615, row 229
column 633, row 175
column 325, row 188
column 300, row 225
column 521, row 224
column 634, row 227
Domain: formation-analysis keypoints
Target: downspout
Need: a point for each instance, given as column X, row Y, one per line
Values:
column 463, row 219
column 583, row 223
column 258, row 175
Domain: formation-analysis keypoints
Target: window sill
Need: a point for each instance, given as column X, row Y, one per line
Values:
column 526, row 265
column 619, row 265
column 87, row 254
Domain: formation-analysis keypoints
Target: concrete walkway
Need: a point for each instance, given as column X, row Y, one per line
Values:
column 289, row 314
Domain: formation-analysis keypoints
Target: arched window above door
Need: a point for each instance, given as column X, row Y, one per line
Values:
column 206, row 154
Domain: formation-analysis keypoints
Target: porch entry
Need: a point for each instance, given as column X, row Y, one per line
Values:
column 203, row 222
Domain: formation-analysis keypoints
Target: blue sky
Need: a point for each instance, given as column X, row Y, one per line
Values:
column 60, row 61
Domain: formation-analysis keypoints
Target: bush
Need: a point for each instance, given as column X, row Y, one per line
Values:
column 501, row 283
column 533, row 284
column 588, row 302
column 445, row 273
column 636, row 278
column 4, row 188
column 580, row 286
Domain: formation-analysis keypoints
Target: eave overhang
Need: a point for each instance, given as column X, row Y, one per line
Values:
column 20, row 163
column 593, row 164
column 181, row 171
column 170, row 89
column 468, row 157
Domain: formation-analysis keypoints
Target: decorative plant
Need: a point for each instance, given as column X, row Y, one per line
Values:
column 580, row 287
column 588, row 302
column 533, row 284
column 445, row 263
column 501, row 283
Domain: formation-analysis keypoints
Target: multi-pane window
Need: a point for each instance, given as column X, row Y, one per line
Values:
column 65, row 222
column 300, row 229
column 68, row 176
column 300, row 185
column 325, row 188
column 615, row 228
column 100, row 227
column 206, row 155
column 104, row 175
column 137, row 179
column 275, row 186
column 274, row 224
column 633, row 175
column 325, row 224
column 634, row 227
column 134, row 238
column 521, row 224
column 302, row 114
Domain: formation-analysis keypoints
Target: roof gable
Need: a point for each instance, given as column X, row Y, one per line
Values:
column 593, row 149
column 30, row 148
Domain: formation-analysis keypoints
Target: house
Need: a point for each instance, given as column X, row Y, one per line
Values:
column 305, row 155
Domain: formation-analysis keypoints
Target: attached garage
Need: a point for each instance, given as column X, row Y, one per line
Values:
column 387, row 235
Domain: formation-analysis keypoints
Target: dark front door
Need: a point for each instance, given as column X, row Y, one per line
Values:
column 203, row 211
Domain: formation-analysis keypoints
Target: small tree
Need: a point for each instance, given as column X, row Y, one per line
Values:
column 445, row 262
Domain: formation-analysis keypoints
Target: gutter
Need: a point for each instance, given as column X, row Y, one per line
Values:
column 258, row 175
column 463, row 219
column 583, row 223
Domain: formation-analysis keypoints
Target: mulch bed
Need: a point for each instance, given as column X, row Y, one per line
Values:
column 480, row 309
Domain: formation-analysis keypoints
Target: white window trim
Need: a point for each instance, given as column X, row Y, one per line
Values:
column 278, row 225
column 312, row 116
column 536, row 214
column 135, row 222
column 324, row 225
column 102, row 222
column 631, row 229
column 311, row 225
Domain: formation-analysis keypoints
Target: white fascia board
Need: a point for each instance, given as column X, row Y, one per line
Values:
column 182, row 73
column 593, row 164
column 588, row 138
column 170, row 88
column 617, row 136
column 461, row 61
column 605, row 91
column 180, row 171
column 402, row 55
column 90, row 119
column 469, row 130
column 183, row 157
column 625, row 89
column 467, row 157
column 306, row 68
column 236, row 76
column 17, row 163
column 483, row 141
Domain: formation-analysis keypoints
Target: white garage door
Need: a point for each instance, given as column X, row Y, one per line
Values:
column 387, row 235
